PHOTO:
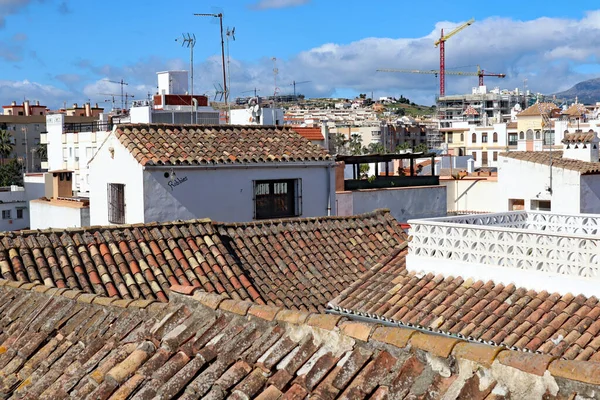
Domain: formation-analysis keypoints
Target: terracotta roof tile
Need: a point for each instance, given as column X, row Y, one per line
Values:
column 531, row 321
column 579, row 137
column 160, row 144
column 543, row 157
column 309, row 133
column 534, row 110
column 186, row 350
column 294, row 263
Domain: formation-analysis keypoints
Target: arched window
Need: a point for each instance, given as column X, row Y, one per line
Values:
column 462, row 137
column 484, row 137
column 537, row 135
column 521, row 135
column 529, row 134
column 495, row 137
column 474, row 138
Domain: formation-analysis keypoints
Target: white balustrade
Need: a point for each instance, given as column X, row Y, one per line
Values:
column 536, row 250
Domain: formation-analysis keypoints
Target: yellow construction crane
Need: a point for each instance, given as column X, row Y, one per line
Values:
column 480, row 73
column 441, row 42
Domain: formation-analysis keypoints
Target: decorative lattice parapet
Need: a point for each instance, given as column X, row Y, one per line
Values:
column 536, row 250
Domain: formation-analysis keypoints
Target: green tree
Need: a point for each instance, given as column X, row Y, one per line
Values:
column 339, row 144
column 402, row 146
column 42, row 151
column 6, row 144
column 421, row 148
column 11, row 173
column 374, row 148
column 355, row 144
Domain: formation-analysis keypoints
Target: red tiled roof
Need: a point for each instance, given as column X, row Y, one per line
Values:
column 560, row 326
column 296, row 263
column 309, row 133
column 73, row 345
column 543, row 157
column 534, row 110
column 579, row 137
column 470, row 111
column 160, row 144
column 576, row 110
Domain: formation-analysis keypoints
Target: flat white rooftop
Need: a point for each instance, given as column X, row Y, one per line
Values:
column 536, row 250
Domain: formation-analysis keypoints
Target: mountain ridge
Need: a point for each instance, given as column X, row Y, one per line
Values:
column 586, row 92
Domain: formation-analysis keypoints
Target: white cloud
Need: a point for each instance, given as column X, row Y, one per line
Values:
column 268, row 4
column 18, row 90
column 545, row 51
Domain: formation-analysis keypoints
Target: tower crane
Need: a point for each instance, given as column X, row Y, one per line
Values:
column 294, row 83
column 480, row 73
column 442, row 43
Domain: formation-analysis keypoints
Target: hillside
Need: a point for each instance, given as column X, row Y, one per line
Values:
column 587, row 92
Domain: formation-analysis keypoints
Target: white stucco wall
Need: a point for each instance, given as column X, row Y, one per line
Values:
column 122, row 168
column 404, row 203
column 473, row 195
column 590, row 194
column 46, row 215
column 526, row 180
column 225, row 193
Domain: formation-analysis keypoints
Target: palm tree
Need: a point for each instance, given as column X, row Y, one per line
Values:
column 42, row 151
column 6, row 144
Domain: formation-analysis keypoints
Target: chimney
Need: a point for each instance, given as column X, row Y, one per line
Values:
column 74, row 105
column 470, row 165
column 14, row 103
column 37, row 102
column 26, row 108
column 581, row 146
column 88, row 110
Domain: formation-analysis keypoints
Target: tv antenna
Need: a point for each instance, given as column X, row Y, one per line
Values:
column 255, row 90
column 220, row 16
column 189, row 40
column 122, row 83
column 219, row 91
column 124, row 98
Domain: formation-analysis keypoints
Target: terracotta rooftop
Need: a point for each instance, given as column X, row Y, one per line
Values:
column 534, row 110
column 296, row 263
column 543, row 157
column 581, row 137
column 559, row 326
column 576, row 110
column 57, row 344
column 309, row 133
column 470, row 111
column 511, row 125
column 159, row 144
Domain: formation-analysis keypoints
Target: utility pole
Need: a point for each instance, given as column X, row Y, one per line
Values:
column 190, row 41
column 220, row 16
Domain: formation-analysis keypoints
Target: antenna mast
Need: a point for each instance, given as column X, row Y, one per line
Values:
column 276, row 90
column 189, row 40
column 220, row 16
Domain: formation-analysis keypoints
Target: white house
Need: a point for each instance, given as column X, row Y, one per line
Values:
column 151, row 172
column 13, row 208
column 566, row 181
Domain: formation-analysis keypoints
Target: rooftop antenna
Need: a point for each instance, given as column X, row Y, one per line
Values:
column 220, row 16
column 276, row 90
column 189, row 40
column 219, row 91
column 122, row 83
column 230, row 35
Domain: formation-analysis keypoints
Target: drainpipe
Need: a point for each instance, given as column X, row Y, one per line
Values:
column 194, row 109
column 329, row 190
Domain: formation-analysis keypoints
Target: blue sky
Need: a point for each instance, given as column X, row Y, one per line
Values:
column 56, row 51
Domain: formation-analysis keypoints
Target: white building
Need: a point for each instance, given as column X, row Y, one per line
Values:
column 13, row 209
column 570, row 183
column 255, row 114
column 58, row 208
column 145, row 173
column 72, row 145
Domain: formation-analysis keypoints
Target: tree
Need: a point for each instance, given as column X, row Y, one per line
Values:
column 6, row 144
column 400, row 111
column 11, row 173
column 42, row 151
column 421, row 148
column 355, row 144
column 402, row 146
column 374, row 148
column 339, row 143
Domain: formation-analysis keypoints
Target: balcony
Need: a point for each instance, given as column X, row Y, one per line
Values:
column 535, row 250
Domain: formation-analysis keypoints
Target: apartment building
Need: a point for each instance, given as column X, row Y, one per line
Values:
column 357, row 117
column 481, row 107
